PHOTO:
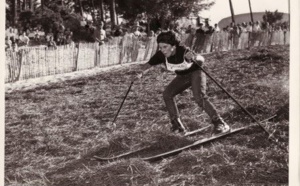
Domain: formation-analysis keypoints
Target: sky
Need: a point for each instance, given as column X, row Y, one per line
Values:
column 221, row 8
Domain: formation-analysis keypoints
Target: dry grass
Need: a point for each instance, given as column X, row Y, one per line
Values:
column 53, row 131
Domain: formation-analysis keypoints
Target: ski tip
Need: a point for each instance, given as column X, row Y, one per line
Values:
column 101, row 159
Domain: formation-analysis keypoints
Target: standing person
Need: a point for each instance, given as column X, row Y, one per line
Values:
column 8, row 43
column 256, row 31
column 234, row 35
column 200, row 38
column 188, row 74
column 52, row 43
column 24, row 40
column 189, row 30
column 100, row 33
column 244, row 35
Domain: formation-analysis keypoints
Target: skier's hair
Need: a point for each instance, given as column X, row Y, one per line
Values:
column 168, row 37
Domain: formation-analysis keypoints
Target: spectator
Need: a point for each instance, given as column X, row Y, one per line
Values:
column 68, row 32
column 67, row 36
column 14, row 45
column 30, row 33
column 256, row 27
column 158, row 31
column 244, row 35
column 256, row 33
column 8, row 43
column 24, row 40
column 206, row 26
column 151, row 33
column 83, row 22
column 16, row 33
column 51, row 43
column 216, row 28
column 10, row 32
column 100, row 33
column 234, row 35
column 210, row 30
column 118, row 32
column 189, row 29
column 69, row 40
column 61, row 27
column 49, row 34
column 137, row 33
column 36, row 35
column 200, row 39
column 200, row 30
column 60, row 38
column 41, row 34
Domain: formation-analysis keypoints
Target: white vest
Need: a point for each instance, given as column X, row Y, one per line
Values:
column 178, row 67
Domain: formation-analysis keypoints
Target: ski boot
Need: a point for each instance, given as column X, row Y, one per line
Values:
column 220, row 127
column 177, row 126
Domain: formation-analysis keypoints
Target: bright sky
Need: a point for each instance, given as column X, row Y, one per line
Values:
column 221, row 9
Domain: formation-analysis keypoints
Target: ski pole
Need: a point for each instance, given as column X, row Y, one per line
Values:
column 237, row 102
column 123, row 101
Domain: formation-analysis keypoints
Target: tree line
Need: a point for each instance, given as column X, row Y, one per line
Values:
column 160, row 12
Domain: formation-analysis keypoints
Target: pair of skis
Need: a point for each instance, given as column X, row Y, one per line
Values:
column 175, row 151
column 178, row 150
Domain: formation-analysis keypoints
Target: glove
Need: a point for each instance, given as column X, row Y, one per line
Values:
column 189, row 56
column 199, row 59
column 138, row 76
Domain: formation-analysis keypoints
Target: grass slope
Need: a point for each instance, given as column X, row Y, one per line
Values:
column 53, row 131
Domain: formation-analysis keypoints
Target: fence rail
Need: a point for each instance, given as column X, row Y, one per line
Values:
column 33, row 62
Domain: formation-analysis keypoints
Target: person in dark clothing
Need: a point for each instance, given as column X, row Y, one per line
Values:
column 200, row 39
column 179, row 60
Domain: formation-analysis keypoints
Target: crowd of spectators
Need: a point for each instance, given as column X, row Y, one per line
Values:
column 16, row 37
column 237, row 33
column 240, row 35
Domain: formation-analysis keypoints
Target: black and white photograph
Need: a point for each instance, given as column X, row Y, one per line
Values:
column 150, row 93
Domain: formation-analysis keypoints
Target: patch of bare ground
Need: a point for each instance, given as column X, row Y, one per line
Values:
column 54, row 130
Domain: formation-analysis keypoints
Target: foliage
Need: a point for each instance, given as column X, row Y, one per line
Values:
column 165, row 12
column 272, row 17
column 161, row 13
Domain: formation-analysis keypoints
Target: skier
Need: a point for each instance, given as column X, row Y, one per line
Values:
column 179, row 59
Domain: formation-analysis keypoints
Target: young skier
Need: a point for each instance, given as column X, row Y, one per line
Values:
column 179, row 59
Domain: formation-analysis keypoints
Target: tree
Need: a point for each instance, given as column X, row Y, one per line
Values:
column 165, row 12
column 112, row 10
column 272, row 17
column 101, row 12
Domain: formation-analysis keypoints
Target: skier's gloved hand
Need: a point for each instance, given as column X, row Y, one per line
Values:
column 199, row 59
column 189, row 56
column 138, row 76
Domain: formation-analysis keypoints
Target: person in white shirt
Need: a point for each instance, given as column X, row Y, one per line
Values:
column 83, row 22
column 30, row 33
column 100, row 33
column 23, row 40
column 256, row 34
column 216, row 28
column 49, row 35
column 41, row 34
column 137, row 33
column 8, row 43
column 10, row 32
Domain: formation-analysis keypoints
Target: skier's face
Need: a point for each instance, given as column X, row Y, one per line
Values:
column 167, row 49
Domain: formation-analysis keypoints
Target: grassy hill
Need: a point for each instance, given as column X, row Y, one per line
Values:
column 52, row 132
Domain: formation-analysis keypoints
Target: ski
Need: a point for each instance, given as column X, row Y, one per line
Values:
column 190, row 133
column 195, row 144
column 120, row 155
column 178, row 150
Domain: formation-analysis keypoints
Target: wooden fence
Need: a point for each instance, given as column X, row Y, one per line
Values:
column 32, row 62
